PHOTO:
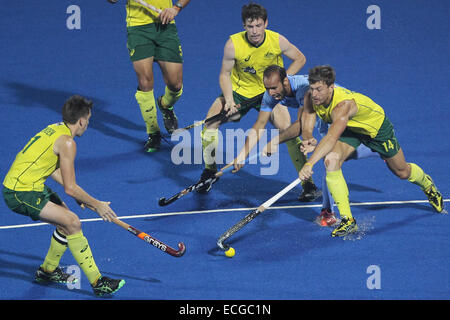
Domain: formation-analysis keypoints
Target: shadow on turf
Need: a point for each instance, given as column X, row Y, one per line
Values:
column 26, row 271
column 31, row 96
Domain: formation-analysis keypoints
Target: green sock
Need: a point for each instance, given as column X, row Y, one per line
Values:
column 297, row 157
column 339, row 191
column 418, row 177
column 170, row 97
column 81, row 251
column 58, row 245
column 147, row 104
column 210, row 141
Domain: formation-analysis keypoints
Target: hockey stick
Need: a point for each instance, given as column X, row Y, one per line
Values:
column 148, row 6
column 221, row 115
column 153, row 241
column 145, row 4
column 164, row 202
column 252, row 215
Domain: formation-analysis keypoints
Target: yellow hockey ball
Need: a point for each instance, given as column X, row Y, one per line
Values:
column 230, row 252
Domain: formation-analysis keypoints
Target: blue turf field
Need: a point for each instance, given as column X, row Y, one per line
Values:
column 282, row 254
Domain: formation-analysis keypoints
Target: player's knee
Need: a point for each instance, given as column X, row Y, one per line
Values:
column 145, row 83
column 176, row 87
column 332, row 161
column 73, row 224
column 402, row 173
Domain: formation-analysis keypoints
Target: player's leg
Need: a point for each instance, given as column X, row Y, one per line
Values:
column 30, row 204
column 66, row 220
column 281, row 119
column 169, row 56
column 338, row 187
column 146, row 101
column 141, row 48
column 173, row 78
column 210, row 141
column 387, row 145
column 327, row 216
column 413, row 173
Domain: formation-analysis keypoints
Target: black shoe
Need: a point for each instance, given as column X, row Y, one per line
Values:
column 169, row 117
column 208, row 177
column 154, row 142
column 310, row 192
column 107, row 285
column 57, row 276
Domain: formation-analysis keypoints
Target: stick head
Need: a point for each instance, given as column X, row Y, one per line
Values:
column 222, row 246
column 162, row 201
column 182, row 249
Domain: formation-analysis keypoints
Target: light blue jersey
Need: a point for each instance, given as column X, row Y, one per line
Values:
column 299, row 85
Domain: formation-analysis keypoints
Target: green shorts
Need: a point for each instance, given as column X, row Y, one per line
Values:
column 154, row 40
column 29, row 203
column 385, row 143
column 247, row 103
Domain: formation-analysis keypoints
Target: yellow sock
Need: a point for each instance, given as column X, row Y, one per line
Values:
column 147, row 104
column 339, row 191
column 210, row 141
column 419, row 177
column 58, row 245
column 81, row 251
column 171, row 97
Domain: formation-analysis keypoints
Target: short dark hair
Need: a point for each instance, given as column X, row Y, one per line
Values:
column 275, row 69
column 253, row 11
column 75, row 108
column 322, row 73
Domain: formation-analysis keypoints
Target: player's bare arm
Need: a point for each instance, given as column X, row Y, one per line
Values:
column 65, row 148
column 168, row 14
column 252, row 139
column 228, row 62
column 293, row 131
column 308, row 120
column 339, row 116
column 294, row 54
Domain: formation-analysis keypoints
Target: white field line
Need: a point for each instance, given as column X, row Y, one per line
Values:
column 16, row 226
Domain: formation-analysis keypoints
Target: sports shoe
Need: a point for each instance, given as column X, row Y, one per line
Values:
column 169, row 117
column 434, row 196
column 310, row 192
column 326, row 218
column 346, row 227
column 107, row 285
column 153, row 143
column 57, row 276
column 207, row 174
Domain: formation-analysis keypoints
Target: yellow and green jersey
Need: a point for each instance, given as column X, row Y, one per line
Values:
column 36, row 161
column 138, row 15
column 367, row 120
column 251, row 61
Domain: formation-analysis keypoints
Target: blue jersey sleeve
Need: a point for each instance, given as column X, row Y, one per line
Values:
column 268, row 103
